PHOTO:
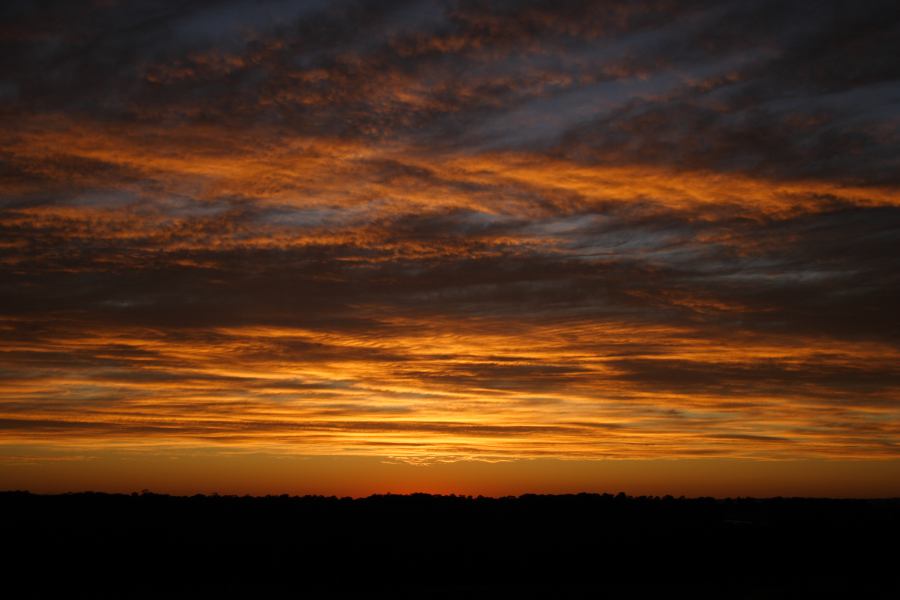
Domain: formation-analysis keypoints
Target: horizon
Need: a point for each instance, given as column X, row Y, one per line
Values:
column 466, row 497
column 362, row 476
column 487, row 248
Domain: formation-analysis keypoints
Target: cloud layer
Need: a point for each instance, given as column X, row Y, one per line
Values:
column 443, row 230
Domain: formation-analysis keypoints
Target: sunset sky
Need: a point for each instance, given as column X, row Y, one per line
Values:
column 477, row 247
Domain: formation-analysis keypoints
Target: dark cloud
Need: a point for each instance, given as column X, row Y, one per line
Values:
column 786, row 378
column 459, row 222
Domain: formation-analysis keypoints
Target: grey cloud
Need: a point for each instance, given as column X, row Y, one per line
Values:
column 844, row 384
column 779, row 92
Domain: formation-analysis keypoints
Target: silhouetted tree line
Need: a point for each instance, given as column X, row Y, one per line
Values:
column 420, row 546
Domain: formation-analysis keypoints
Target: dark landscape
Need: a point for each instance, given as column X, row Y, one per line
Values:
column 423, row 546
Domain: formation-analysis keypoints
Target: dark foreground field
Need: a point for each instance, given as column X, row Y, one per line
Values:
column 420, row 546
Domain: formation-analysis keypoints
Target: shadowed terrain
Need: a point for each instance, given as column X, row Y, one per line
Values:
column 413, row 546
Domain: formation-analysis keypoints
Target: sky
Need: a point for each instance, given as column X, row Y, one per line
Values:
column 448, row 246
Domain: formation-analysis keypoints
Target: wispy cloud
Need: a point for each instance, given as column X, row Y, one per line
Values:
column 443, row 230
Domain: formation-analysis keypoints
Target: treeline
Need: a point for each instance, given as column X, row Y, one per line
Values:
column 542, row 546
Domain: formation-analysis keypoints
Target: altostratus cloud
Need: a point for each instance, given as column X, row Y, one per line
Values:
column 452, row 230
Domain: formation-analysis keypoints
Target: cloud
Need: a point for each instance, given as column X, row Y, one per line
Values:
column 452, row 229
